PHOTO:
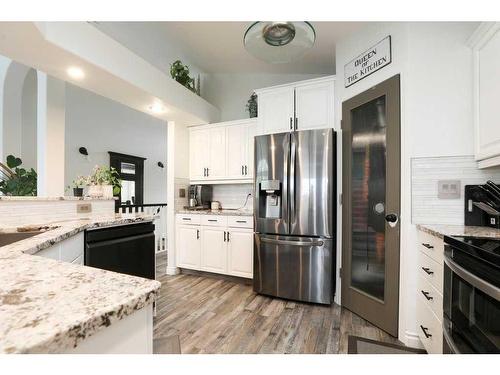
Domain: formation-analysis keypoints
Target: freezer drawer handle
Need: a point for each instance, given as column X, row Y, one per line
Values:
column 293, row 243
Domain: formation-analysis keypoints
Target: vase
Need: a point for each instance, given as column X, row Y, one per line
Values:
column 78, row 192
column 95, row 191
column 107, row 191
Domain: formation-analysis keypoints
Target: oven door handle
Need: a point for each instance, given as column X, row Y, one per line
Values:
column 472, row 279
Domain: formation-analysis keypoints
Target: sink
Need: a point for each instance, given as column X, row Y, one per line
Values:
column 9, row 238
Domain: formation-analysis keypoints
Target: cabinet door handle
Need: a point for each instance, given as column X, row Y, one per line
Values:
column 241, row 221
column 429, row 246
column 296, row 123
column 197, row 234
column 186, row 218
column 224, row 236
column 424, row 330
column 427, row 296
column 213, row 220
column 246, row 170
column 291, row 123
column 227, row 236
column 428, row 270
column 204, row 172
column 242, row 170
column 208, row 172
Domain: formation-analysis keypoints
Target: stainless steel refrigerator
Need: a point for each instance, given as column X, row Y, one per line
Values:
column 294, row 213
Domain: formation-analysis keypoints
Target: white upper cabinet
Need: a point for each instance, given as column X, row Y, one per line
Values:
column 276, row 110
column 236, row 144
column 485, row 43
column 223, row 152
column 297, row 106
column 198, row 161
column 217, row 153
column 314, row 106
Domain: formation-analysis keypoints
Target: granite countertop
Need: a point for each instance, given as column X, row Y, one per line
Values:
column 47, row 306
column 216, row 212
column 441, row 230
column 50, row 199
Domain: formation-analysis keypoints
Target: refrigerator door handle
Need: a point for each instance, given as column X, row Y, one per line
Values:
column 293, row 153
column 293, row 243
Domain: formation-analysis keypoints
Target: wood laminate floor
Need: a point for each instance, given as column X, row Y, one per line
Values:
column 211, row 315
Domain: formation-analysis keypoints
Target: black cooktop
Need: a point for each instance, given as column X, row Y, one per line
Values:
column 486, row 249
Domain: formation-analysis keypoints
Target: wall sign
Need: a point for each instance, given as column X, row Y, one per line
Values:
column 368, row 62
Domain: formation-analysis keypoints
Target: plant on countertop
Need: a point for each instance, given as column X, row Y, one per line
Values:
column 105, row 176
column 15, row 180
column 78, row 185
column 180, row 73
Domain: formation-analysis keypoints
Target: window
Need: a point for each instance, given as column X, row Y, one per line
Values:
column 131, row 171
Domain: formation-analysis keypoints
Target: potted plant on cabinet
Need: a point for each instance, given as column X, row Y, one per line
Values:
column 104, row 182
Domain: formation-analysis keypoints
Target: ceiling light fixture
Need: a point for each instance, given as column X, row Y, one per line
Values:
column 157, row 108
column 75, row 72
column 279, row 42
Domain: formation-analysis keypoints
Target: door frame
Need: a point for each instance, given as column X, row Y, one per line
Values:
column 115, row 160
column 384, row 314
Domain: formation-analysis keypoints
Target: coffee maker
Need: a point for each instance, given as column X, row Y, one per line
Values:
column 199, row 196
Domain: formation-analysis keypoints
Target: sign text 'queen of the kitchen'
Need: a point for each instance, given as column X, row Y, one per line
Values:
column 368, row 62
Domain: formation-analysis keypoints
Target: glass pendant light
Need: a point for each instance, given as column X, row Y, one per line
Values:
column 279, row 42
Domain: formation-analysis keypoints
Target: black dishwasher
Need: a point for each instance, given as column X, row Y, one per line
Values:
column 128, row 249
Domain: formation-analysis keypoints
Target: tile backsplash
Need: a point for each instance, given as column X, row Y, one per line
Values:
column 427, row 208
column 233, row 195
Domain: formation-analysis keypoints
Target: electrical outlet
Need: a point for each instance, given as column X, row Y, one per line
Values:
column 182, row 193
column 83, row 208
column 449, row 189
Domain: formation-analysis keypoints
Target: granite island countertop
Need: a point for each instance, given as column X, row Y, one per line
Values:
column 215, row 212
column 48, row 306
column 441, row 230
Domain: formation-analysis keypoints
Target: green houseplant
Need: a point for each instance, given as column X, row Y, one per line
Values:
column 104, row 182
column 180, row 73
column 78, row 184
column 15, row 180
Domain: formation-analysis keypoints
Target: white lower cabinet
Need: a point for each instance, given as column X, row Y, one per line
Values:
column 214, row 249
column 429, row 292
column 70, row 250
column 189, row 240
column 240, row 252
column 214, row 243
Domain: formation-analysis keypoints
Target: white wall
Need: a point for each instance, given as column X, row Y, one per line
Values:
column 102, row 125
column 230, row 92
column 28, row 120
column 436, row 116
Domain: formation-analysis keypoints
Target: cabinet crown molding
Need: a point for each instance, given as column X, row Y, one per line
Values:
column 306, row 82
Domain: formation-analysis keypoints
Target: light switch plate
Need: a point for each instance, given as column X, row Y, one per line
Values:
column 449, row 189
column 83, row 208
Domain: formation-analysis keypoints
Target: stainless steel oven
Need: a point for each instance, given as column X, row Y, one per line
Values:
column 471, row 295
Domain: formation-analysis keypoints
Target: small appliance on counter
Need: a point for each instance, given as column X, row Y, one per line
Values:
column 199, row 197
column 482, row 205
column 471, row 295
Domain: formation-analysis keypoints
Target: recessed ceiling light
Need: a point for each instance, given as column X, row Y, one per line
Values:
column 157, row 108
column 75, row 72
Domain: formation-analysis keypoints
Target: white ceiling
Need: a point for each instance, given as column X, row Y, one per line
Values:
column 217, row 47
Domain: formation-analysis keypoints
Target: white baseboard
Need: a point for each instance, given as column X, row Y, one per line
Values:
column 173, row 271
column 412, row 340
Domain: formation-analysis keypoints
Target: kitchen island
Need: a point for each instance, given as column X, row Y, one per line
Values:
column 50, row 306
